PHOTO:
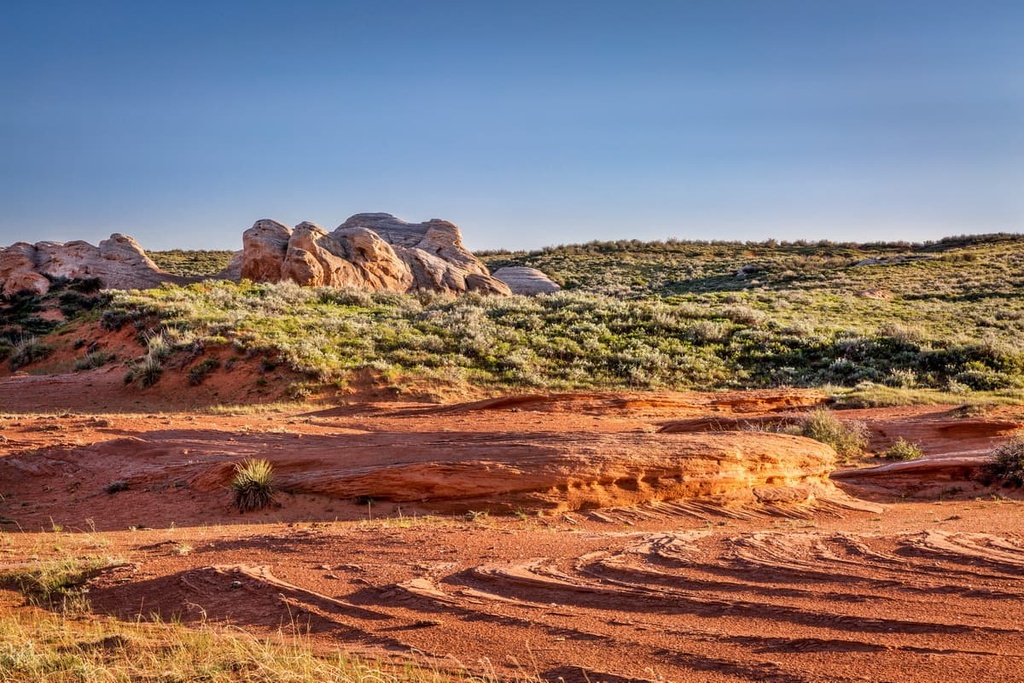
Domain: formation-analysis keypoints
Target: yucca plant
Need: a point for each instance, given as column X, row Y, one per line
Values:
column 253, row 485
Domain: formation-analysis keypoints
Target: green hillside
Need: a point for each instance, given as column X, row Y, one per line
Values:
column 945, row 316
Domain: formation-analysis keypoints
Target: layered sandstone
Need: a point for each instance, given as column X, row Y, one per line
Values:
column 497, row 471
column 526, row 281
column 370, row 251
column 118, row 262
column 373, row 251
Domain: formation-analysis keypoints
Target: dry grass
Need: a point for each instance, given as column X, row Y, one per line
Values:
column 41, row 646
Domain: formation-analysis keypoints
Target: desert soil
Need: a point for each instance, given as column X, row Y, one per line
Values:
column 916, row 578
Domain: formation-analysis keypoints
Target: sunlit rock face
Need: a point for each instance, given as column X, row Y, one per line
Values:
column 373, row 251
column 118, row 263
column 370, row 251
column 526, row 281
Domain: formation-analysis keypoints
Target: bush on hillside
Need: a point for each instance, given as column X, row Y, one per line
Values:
column 848, row 438
column 1008, row 462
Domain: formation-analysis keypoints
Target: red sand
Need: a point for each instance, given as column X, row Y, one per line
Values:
column 926, row 587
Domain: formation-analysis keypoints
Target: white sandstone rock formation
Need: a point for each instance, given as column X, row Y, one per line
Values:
column 524, row 280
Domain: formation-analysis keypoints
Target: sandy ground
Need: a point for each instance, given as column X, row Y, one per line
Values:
column 922, row 582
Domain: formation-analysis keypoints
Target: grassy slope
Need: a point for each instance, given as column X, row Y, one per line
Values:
column 946, row 316
column 191, row 262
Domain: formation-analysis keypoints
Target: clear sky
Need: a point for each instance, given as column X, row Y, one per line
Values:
column 527, row 123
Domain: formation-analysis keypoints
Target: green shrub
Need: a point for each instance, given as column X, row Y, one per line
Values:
column 158, row 345
column 116, row 487
column 114, row 319
column 58, row 584
column 903, row 450
column 253, row 485
column 1008, row 461
column 96, row 359
column 144, row 373
column 28, row 351
column 201, row 370
column 847, row 438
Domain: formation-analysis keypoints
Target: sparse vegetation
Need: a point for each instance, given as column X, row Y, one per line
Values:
column 201, row 370
column 191, row 262
column 144, row 372
column 45, row 647
column 57, row 584
column 116, row 487
column 1008, row 462
column 903, row 450
column 96, row 359
column 674, row 315
column 847, row 437
column 27, row 351
column 253, row 485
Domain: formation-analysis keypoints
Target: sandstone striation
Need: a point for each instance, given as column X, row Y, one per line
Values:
column 373, row 251
column 497, row 471
column 527, row 281
column 118, row 262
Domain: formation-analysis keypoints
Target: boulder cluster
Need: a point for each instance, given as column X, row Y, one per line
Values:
column 118, row 263
column 370, row 251
column 373, row 251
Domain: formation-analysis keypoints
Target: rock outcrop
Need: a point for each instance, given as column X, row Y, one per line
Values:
column 497, row 471
column 524, row 280
column 374, row 251
column 118, row 262
column 371, row 251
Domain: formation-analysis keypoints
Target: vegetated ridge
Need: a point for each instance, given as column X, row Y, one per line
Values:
column 945, row 316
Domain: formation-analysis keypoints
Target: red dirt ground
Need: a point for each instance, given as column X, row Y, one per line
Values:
column 914, row 575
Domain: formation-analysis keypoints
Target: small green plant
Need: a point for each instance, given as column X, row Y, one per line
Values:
column 903, row 450
column 58, row 584
column 970, row 410
column 116, row 487
column 144, row 372
column 253, row 485
column 847, row 438
column 96, row 359
column 201, row 370
column 1008, row 462
column 28, row 351
column 157, row 345
column 476, row 515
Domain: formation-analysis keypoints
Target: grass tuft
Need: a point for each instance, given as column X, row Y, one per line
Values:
column 145, row 372
column 46, row 647
column 91, row 361
column 253, row 485
column 57, row 584
column 27, row 351
column 903, row 450
column 848, row 438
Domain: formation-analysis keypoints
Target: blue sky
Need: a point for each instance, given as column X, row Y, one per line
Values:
column 527, row 123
